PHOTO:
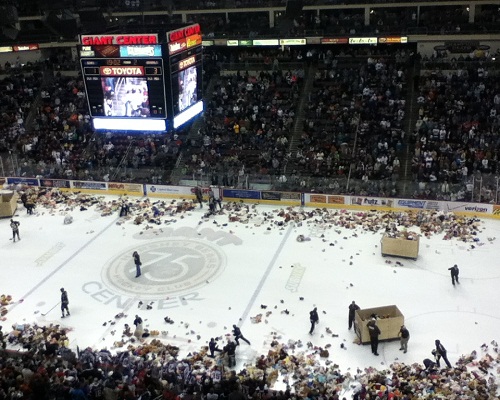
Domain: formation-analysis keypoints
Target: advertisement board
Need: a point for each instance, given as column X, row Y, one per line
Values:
column 371, row 201
column 125, row 188
column 317, row 198
column 55, row 183
column 326, row 199
column 167, row 191
column 410, row 203
column 271, row 196
column 334, row 40
column 89, row 185
column 241, row 194
column 336, row 200
column 22, row 181
column 478, row 208
column 292, row 42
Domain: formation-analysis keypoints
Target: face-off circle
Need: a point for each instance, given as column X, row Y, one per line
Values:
column 169, row 267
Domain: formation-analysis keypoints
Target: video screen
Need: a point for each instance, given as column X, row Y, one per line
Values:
column 125, row 97
column 187, row 88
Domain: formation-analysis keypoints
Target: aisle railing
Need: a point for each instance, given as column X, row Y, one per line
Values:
column 478, row 187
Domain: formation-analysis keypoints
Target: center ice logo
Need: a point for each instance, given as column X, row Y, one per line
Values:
column 169, row 267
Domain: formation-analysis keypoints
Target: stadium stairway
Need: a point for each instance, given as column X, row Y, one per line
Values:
column 47, row 81
column 411, row 116
column 300, row 116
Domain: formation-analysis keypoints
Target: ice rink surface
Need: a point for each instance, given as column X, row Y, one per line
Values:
column 207, row 275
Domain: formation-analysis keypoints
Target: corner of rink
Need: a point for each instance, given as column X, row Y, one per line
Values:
column 262, row 268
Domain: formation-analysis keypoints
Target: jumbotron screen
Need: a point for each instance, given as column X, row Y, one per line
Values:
column 137, row 82
column 186, row 78
column 125, row 88
column 185, row 59
column 125, row 83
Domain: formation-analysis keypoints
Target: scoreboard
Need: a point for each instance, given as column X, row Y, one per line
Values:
column 125, row 87
column 138, row 82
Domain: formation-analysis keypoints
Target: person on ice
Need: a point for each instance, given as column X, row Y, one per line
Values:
column 64, row 303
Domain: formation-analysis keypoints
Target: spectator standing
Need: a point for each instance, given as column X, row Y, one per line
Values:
column 211, row 204
column 454, row 271
column 440, row 352
column 30, row 206
column 124, row 209
column 199, row 195
column 404, row 336
column 230, row 350
column 139, row 330
column 374, row 332
column 64, row 302
column 352, row 312
column 96, row 389
column 24, row 199
column 14, row 225
column 430, row 366
column 212, row 346
column 217, row 196
column 3, row 343
column 137, row 262
column 236, row 394
column 314, row 318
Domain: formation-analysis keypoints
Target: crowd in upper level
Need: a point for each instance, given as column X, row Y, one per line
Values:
column 341, row 22
column 426, row 19
column 456, row 132
column 248, row 124
column 354, row 124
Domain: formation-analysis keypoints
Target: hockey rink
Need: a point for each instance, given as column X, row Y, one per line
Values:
column 208, row 274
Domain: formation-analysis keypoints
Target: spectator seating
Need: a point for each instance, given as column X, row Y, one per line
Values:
column 455, row 133
column 355, row 115
column 247, row 125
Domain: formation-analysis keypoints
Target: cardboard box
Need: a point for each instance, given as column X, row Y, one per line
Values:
column 400, row 247
column 8, row 203
column 389, row 321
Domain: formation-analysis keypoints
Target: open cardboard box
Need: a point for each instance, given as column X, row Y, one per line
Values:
column 389, row 321
column 8, row 203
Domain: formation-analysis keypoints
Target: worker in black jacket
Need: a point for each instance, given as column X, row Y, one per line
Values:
column 314, row 319
column 238, row 335
column 404, row 336
column 212, row 346
column 64, row 302
column 230, row 350
column 374, row 332
column 440, row 352
column 454, row 271
column 352, row 312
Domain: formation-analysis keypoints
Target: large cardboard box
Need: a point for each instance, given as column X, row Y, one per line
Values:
column 8, row 203
column 400, row 247
column 389, row 321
